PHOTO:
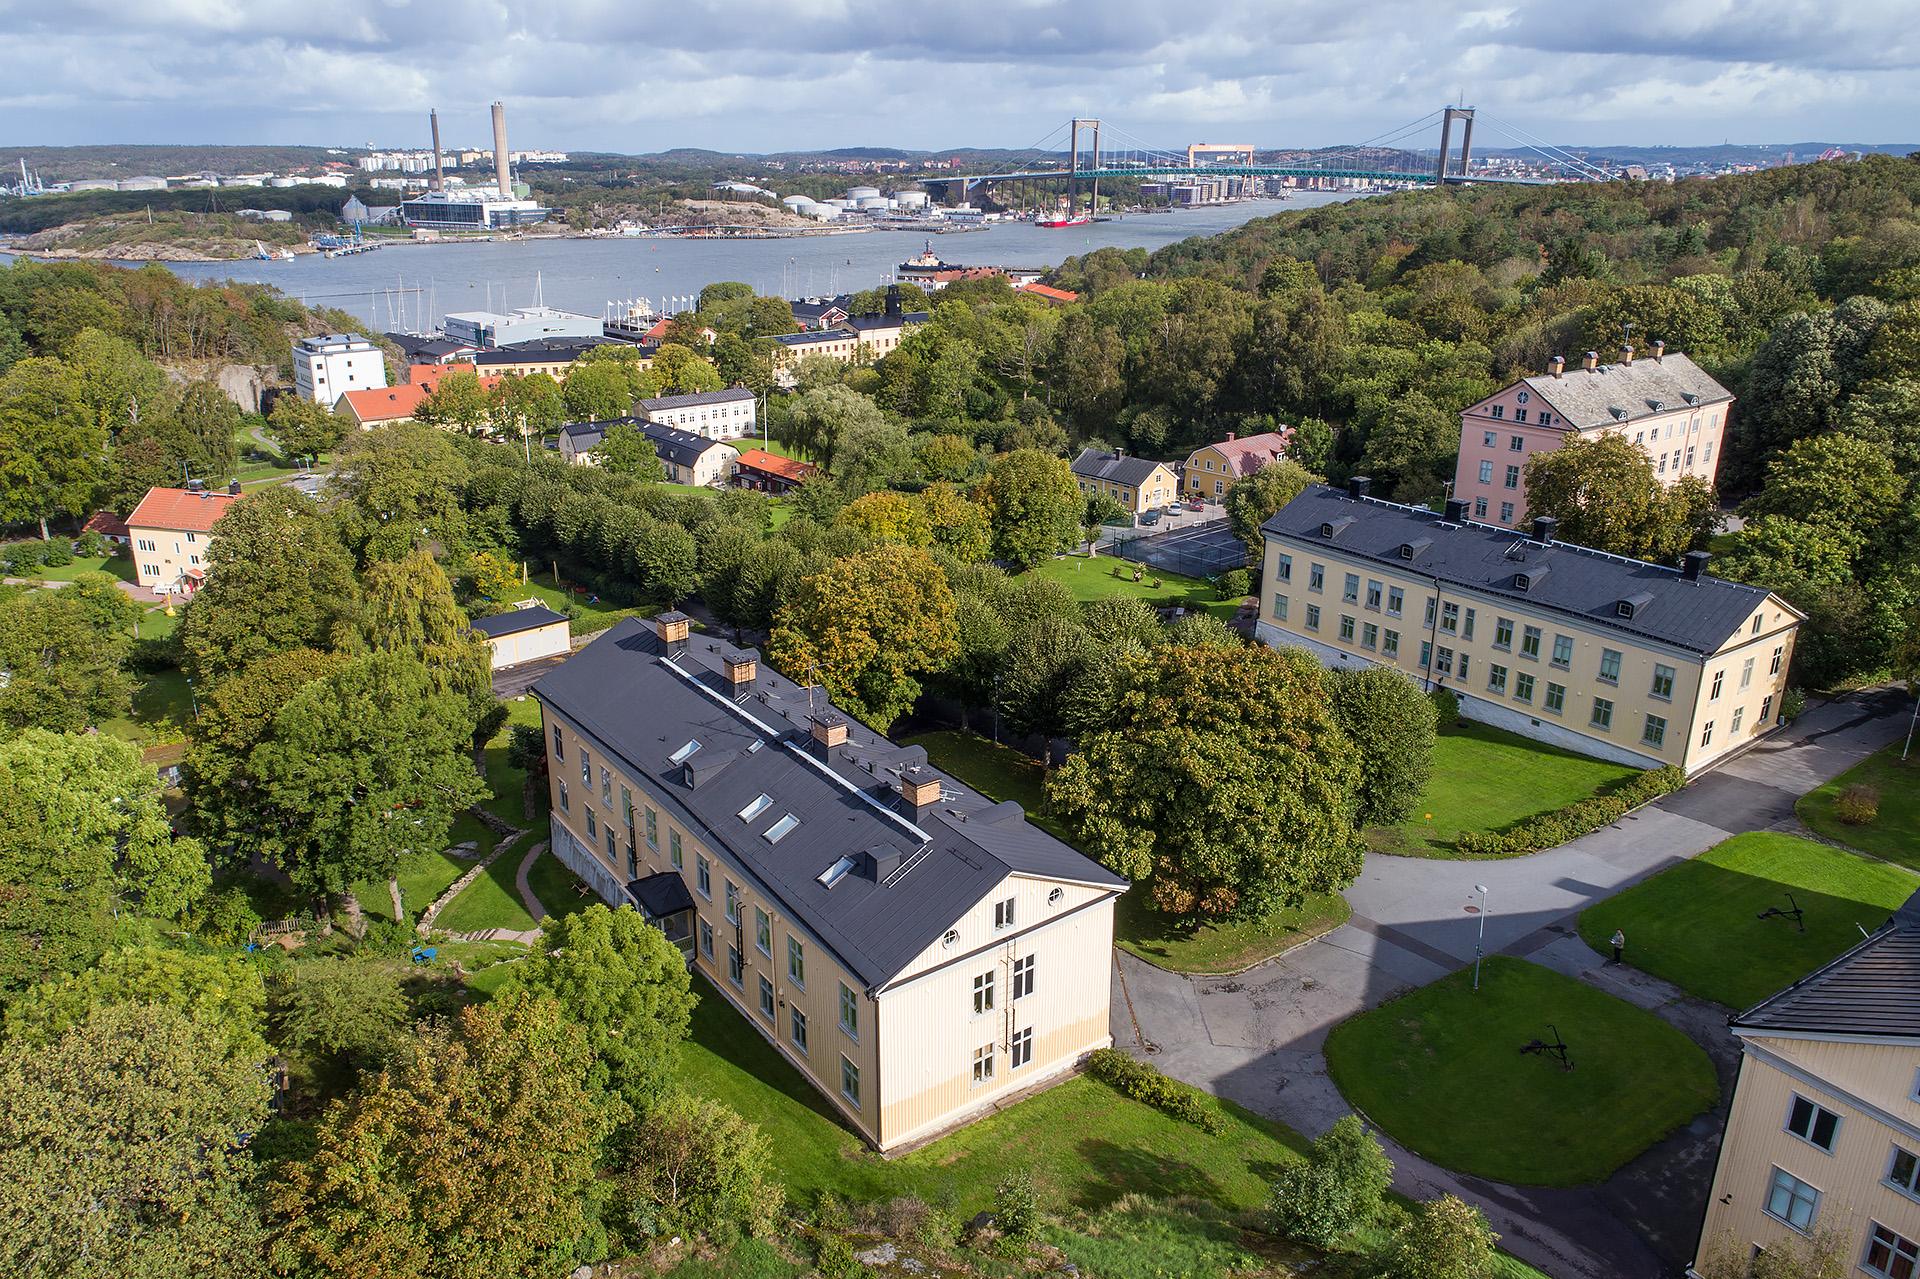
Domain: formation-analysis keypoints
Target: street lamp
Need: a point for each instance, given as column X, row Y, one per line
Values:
column 1479, row 944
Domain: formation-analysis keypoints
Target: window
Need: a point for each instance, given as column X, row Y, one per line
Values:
column 1390, row 643
column 1373, row 595
column 586, row 769
column 766, row 999
column 799, row 1031
column 849, row 1012
column 1519, row 415
column 1890, row 1255
column 606, row 786
column 1317, row 577
column 1497, row 678
column 983, row 1064
column 1280, row 608
column 1396, row 600
column 762, row 932
column 1739, row 713
column 559, row 745
column 1766, row 710
column 1506, row 512
column 563, row 797
column 1515, row 443
column 593, row 827
column 1602, row 713
column 761, row 803
column 673, row 849
column 1003, row 913
column 626, row 806
column 1444, row 664
column 706, row 939
column 1021, row 1047
column 1370, row 635
column 1466, row 626
column 1530, row 642
column 703, row 877
column 1813, row 1123
column 1426, row 655
column 1779, row 651
column 736, row 966
column 1489, row 439
column 1486, row 472
column 781, row 829
column 1610, row 665
column 1545, row 418
column 983, row 992
column 1513, row 477
column 1746, row 674
column 1313, row 617
column 1350, row 588
column 850, row 1082
column 1428, row 620
column 1499, row 411
column 1283, row 568
column 1792, row 1200
column 653, row 831
column 1023, row 977
column 1503, row 632
column 1903, row 1172
column 1479, row 508
column 1523, row 687
column 733, row 902
column 1346, row 627
column 797, row 962
column 1563, row 651
column 1719, row 678
column 633, row 859
column 1663, row 683
column 1450, row 618
column 1556, row 699
column 1655, row 732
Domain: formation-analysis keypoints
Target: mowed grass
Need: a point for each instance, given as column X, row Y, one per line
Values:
column 1486, row 778
column 1002, row 773
column 508, row 783
column 1895, row 833
column 592, row 614
column 1084, row 1143
column 1092, row 578
column 1441, row 1070
column 162, row 710
column 493, row 900
column 1697, row 925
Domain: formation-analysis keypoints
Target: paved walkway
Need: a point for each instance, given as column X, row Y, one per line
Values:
column 1256, row 1038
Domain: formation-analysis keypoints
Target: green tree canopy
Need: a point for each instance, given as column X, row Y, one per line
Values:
column 1033, row 506
column 221, row 990
column 52, row 446
column 696, row 1168
column 1253, row 499
column 64, row 652
column 626, row 450
column 306, row 429
column 1604, row 493
column 1391, row 724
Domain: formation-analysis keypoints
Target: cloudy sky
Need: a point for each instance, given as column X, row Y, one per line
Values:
column 759, row 75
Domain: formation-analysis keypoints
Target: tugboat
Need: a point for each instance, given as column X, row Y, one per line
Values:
column 922, row 266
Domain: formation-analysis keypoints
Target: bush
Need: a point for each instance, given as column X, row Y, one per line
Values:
column 1446, row 1239
column 93, row 543
column 1581, row 817
column 526, row 749
column 56, row 553
column 833, row 1256
column 695, row 1167
column 1145, row 1084
column 489, row 723
column 24, row 557
column 1233, row 584
column 227, row 918
column 1336, row 1190
column 1446, row 709
column 1792, row 702
column 1016, row 1207
column 1858, row 804
column 1392, row 726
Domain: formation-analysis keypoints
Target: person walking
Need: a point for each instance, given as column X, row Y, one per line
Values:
column 1619, row 944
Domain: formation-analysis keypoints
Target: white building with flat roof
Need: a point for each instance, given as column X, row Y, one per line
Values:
column 490, row 329
column 326, row 368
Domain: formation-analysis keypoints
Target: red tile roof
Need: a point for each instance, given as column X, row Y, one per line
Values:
column 1050, row 293
column 1251, row 452
column 774, row 464
column 397, row 403
column 106, row 524
column 178, row 510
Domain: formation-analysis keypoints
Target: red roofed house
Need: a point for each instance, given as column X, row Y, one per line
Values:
column 107, row 525
column 171, row 530
column 769, row 472
column 385, row 405
column 1212, row 468
column 1059, row 297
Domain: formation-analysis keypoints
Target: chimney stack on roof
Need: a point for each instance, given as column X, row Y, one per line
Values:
column 233, row 488
column 1557, row 365
column 1456, row 510
column 920, row 788
column 1626, row 354
column 1659, row 350
column 742, row 667
column 672, row 628
column 1232, row 436
column 1693, row 565
column 500, row 149
column 1357, row 486
column 1591, row 361
column 829, row 730
column 1544, row 527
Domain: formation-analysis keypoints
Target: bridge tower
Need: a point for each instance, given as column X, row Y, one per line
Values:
column 1465, row 115
column 1073, row 163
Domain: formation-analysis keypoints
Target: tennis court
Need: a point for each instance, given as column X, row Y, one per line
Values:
column 1205, row 550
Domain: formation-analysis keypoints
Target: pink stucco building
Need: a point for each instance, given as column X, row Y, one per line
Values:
column 1664, row 403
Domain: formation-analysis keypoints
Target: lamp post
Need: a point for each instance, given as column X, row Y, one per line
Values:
column 1480, row 943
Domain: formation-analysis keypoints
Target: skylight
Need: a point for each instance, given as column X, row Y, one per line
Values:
column 685, row 753
column 760, row 805
column 835, row 873
column 781, row 829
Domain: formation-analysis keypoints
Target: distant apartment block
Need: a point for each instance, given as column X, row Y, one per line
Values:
column 325, row 368
column 171, row 530
column 1664, row 404
column 1612, row 657
column 918, row 952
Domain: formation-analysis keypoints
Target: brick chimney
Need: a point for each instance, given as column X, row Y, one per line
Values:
column 1232, row 436
column 742, row 667
column 1557, row 365
column 1626, row 354
column 672, row 628
column 829, row 730
column 919, row 788
column 1659, row 350
column 1591, row 361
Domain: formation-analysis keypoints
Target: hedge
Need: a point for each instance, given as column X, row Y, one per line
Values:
column 1582, row 817
column 1145, row 1084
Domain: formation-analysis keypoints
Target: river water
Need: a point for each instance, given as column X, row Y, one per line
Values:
column 410, row 286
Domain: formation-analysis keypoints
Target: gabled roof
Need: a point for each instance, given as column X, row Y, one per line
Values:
column 522, row 619
column 925, row 872
column 1247, row 454
column 180, row 510
column 872, row 323
column 1114, row 468
column 1697, row 615
column 774, row 464
column 1050, row 293
column 682, row 448
column 395, row 403
column 1617, row 394
column 813, row 337
column 732, row 395
column 106, row 524
column 1872, row 990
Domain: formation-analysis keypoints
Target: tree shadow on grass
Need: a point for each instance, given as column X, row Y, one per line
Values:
column 1119, row 1170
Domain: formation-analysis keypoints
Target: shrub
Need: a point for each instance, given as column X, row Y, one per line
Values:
column 56, row 553
column 1337, row 1189
column 1233, row 583
column 1391, row 725
column 1016, row 1206
column 833, row 1256
column 1792, row 702
column 1858, row 804
column 1446, row 1239
column 526, row 748
column 695, row 1167
column 93, row 543
column 228, row 918
column 24, row 557
column 1582, row 817
column 1151, row 1087
column 1446, row 709
column 489, row 723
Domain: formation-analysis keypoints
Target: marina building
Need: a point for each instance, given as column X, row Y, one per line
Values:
column 488, row 330
column 325, row 368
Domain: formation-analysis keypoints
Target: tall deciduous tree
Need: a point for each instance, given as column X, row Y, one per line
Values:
column 683, row 371
column 52, row 447
column 400, row 486
column 1224, row 779
column 407, row 607
column 1033, row 506
column 222, row 990
column 457, row 402
column 697, row 1168
column 305, row 429
column 63, row 652
column 625, row 450
column 1604, row 493
column 1391, row 724
column 1253, row 499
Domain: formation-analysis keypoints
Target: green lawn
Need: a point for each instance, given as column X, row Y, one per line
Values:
column 1440, row 1069
column 423, row 877
column 1895, row 833
column 493, row 900
column 592, row 616
column 507, row 782
column 1085, row 1144
column 1697, row 925
column 120, row 566
column 1486, row 778
column 1092, row 579
column 1000, row 773
column 162, row 710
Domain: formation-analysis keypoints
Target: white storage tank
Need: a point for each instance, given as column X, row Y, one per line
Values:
column 824, row 212
column 911, row 199
column 875, row 202
column 857, row 194
column 798, row 203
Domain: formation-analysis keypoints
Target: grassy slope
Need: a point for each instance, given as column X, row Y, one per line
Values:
column 1486, row 778
column 1440, row 1069
column 1895, row 833
column 1093, row 579
column 493, row 900
column 1696, row 924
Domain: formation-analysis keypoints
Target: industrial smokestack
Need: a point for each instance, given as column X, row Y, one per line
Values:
column 439, row 177
column 500, row 148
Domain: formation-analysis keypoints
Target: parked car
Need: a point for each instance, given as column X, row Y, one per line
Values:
column 1150, row 517
column 1196, row 505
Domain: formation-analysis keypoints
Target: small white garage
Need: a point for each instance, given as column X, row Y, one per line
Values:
column 527, row 634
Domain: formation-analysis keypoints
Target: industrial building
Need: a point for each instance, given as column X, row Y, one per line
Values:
column 489, row 330
column 492, row 208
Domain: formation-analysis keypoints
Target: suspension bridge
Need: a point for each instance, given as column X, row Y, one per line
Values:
column 1418, row 153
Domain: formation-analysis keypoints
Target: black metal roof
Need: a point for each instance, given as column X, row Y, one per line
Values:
column 523, row 619
column 416, row 347
column 1115, row 468
column 1698, row 615
column 682, row 448
column 731, row 395
column 661, row 894
column 912, row 877
column 1873, row 990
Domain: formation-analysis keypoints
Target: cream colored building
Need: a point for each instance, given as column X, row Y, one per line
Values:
column 920, row 953
column 1824, row 1131
column 1211, row 469
column 1138, row 483
column 170, row 532
column 1611, row 657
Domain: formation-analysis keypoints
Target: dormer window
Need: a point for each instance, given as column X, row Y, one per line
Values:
column 1529, row 580
column 1334, row 528
column 1408, row 550
column 1632, row 604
